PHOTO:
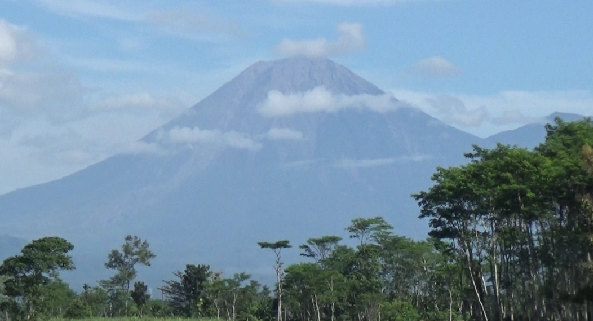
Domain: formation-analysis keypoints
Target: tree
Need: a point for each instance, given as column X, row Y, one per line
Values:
column 368, row 229
column 399, row 311
column 96, row 298
column 78, row 310
column 29, row 274
column 320, row 248
column 188, row 295
column 234, row 286
column 277, row 248
column 516, row 228
column 57, row 297
column 134, row 251
column 140, row 295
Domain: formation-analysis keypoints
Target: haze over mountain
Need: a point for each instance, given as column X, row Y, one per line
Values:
column 288, row 149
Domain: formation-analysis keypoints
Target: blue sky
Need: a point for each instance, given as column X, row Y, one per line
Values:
column 81, row 80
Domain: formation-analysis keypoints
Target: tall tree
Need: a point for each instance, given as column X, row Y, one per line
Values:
column 29, row 274
column 368, row 229
column 134, row 251
column 320, row 248
column 277, row 248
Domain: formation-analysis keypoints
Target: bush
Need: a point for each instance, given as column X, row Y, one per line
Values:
column 77, row 310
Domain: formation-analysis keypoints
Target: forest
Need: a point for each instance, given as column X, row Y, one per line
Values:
column 511, row 238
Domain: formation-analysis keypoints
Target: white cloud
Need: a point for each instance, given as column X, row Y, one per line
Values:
column 51, row 124
column 14, row 43
column 454, row 111
column 435, row 67
column 283, row 134
column 136, row 100
column 183, row 21
column 320, row 99
column 484, row 115
column 8, row 43
column 32, row 85
column 376, row 162
column 514, row 117
column 195, row 135
column 350, row 39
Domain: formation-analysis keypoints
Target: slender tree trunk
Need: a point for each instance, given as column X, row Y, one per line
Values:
column 475, row 287
column 450, row 306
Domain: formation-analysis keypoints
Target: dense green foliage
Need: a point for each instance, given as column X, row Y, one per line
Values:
column 511, row 238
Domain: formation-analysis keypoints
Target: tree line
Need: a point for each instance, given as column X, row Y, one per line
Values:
column 511, row 238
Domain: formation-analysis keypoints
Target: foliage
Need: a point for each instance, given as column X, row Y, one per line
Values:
column 78, row 310
column 187, row 296
column 30, row 276
column 140, row 295
column 134, row 251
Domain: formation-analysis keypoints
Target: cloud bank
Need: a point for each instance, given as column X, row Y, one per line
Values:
column 484, row 115
column 320, row 99
column 350, row 39
column 51, row 124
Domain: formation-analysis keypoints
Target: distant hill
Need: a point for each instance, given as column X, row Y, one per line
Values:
column 10, row 245
column 530, row 135
column 243, row 165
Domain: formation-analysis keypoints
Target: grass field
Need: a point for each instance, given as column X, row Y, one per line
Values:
column 135, row 319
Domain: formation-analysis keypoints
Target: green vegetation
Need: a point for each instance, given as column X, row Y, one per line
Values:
column 511, row 239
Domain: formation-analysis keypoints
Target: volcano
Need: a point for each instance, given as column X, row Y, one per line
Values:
column 288, row 149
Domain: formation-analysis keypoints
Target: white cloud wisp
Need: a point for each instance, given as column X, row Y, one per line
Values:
column 217, row 138
column 435, row 67
column 283, row 134
column 350, row 39
column 376, row 162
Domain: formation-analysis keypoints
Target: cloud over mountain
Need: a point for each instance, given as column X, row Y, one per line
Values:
column 454, row 111
column 320, row 99
column 494, row 112
column 350, row 39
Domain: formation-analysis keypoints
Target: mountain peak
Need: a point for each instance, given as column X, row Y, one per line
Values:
column 300, row 74
column 234, row 105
